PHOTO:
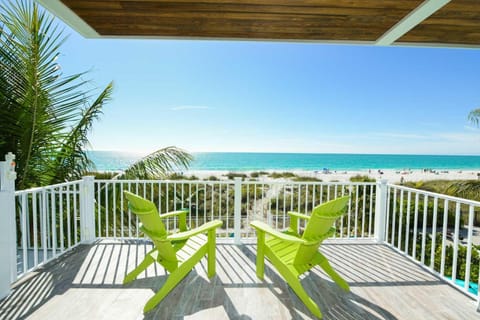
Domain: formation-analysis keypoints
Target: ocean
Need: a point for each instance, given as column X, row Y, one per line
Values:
column 242, row 161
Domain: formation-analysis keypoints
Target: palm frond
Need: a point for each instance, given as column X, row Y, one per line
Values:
column 158, row 164
column 42, row 111
column 72, row 161
column 474, row 116
column 469, row 189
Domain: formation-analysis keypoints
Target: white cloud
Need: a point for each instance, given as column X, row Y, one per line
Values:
column 470, row 128
column 403, row 135
column 178, row 108
column 429, row 124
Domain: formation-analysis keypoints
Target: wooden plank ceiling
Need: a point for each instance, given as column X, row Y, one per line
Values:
column 458, row 22
column 348, row 21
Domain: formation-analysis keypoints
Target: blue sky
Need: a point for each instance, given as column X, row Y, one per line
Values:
column 280, row 97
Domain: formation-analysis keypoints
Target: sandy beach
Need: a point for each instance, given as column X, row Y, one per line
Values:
column 393, row 176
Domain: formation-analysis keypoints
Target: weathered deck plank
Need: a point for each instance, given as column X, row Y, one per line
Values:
column 87, row 284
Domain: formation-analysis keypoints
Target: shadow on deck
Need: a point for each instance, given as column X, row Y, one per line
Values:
column 87, row 284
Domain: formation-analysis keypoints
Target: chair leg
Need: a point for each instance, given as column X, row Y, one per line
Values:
column 297, row 287
column 325, row 265
column 211, row 253
column 260, row 261
column 292, row 279
column 139, row 269
column 173, row 279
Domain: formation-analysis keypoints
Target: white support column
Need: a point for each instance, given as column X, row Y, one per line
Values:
column 87, row 210
column 237, row 211
column 380, row 210
column 8, row 246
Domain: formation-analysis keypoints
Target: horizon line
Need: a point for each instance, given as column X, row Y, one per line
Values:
column 283, row 152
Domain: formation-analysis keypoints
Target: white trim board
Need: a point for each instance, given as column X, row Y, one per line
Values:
column 410, row 21
column 63, row 12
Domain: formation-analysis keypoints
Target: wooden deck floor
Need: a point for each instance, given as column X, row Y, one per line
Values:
column 87, row 284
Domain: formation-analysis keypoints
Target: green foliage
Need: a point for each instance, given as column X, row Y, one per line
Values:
column 256, row 174
column 106, row 175
column 178, row 176
column 306, row 179
column 232, row 175
column 474, row 116
column 278, row 175
column 461, row 258
column 211, row 178
column 469, row 189
column 438, row 186
column 158, row 164
column 302, row 198
column 404, row 212
column 45, row 116
column 360, row 178
column 437, row 256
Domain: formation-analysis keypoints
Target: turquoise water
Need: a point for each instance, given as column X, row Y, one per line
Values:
column 472, row 287
column 109, row 160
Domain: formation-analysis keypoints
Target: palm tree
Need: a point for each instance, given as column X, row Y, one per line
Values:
column 474, row 116
column 45, row 116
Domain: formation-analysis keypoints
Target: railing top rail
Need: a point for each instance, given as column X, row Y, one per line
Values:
column 165, row 181
column 49, row 187
column 311, row 183
column 280, row 182
column 436, row 195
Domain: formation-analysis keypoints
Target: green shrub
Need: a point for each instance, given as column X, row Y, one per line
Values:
column 257, row 174
column 107, row 175
column 361, row 178
column 306, row 179
column 232, row 175
column 278, row 175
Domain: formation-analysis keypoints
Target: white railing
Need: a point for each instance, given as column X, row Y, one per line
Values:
column 236, row 203
column 48, row 223
column 437, row 231
column 427, row 227
column 206, row 200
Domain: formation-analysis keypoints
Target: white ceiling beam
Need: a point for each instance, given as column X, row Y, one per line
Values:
column 411, row 20
column 63, row 12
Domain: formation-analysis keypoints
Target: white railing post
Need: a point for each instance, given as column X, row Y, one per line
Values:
column 380, row 210
column 237, row 210
column 87, row 210
column 8, row 245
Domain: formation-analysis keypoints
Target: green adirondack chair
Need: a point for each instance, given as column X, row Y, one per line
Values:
column 293, row 254
column 178, row 253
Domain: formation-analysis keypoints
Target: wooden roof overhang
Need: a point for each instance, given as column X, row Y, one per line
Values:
column 376, row 22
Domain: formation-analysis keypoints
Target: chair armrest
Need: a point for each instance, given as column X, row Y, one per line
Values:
column 182, row 218
column 190, row 233
column 173, row 213
column 294, row 216
column 261, row 226
column 298, row 215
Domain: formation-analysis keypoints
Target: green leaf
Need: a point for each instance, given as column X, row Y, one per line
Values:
column 158, row 164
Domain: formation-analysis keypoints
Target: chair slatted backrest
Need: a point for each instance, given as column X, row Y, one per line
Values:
column 319, row 225
column 154, row 228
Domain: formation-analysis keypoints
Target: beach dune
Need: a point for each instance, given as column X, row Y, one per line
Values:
column 393, row 176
